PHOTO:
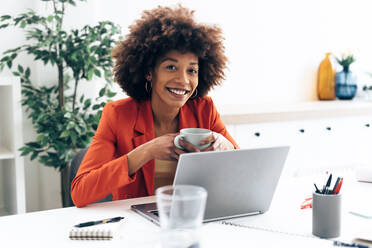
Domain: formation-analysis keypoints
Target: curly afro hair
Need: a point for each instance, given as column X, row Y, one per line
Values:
column 156, row 33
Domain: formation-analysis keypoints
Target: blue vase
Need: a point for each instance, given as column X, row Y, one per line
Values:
column 346, row 84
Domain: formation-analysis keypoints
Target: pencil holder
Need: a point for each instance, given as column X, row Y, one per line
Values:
column 326, row 215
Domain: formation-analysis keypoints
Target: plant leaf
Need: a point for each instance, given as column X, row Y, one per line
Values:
column 27, row 73
column 20, row 68
column 87, row 103
column 97, row 73
column 90, row 75
column 102, row 92
column 23, row 24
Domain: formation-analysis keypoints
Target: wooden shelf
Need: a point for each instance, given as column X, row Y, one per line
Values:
column 6, row 153
column 244, row 114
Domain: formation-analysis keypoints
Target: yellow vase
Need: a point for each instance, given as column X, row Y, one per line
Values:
column 326, row 80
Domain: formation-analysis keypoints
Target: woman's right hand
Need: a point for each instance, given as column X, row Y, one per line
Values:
column 163, row 148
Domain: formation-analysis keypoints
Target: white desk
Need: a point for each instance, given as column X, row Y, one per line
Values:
column 51, row 228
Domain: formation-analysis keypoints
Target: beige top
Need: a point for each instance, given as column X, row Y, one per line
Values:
column 164, row 173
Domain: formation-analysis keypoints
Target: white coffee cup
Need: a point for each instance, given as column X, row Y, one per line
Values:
column 193, row 136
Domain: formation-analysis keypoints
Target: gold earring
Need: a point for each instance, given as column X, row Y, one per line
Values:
column 147, row 87
column 195, row 94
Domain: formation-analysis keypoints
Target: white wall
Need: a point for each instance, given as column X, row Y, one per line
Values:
column 274, row 48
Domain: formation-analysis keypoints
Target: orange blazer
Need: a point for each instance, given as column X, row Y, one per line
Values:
column 126, row 124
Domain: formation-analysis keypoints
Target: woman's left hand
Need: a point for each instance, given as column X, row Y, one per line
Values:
column 218, row 143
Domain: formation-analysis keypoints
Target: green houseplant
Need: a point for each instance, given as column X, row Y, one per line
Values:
column 345, row 61
column 62, row 122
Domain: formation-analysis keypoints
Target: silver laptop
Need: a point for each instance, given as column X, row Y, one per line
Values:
column 239, row 182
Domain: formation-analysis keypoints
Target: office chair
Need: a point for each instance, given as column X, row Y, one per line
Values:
column 71, row 172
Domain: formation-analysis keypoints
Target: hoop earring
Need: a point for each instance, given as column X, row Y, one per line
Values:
column 147, row 87
column 195, row 94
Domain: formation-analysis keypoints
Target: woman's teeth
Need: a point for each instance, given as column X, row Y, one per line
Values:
column 178, row 92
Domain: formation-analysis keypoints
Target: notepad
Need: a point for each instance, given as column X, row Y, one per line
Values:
column 239, row 234
column 276, row 221
column 90, row 234
column 97, row 232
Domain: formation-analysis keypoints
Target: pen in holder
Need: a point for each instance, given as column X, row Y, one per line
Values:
column 327, row 215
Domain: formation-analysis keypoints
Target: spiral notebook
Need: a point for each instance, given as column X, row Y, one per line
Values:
column 90, row 234
column 251, row 234
column 106, row 231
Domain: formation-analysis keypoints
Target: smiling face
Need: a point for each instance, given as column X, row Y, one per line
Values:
column 174, row 79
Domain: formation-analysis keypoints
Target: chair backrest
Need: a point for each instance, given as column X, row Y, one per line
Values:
column 72, row 170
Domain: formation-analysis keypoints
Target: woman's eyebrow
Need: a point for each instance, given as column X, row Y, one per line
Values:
column 176, row 61
column 168, row 58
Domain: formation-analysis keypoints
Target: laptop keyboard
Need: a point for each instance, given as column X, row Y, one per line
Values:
column 155, row 212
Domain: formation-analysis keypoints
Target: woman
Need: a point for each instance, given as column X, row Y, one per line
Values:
column 166, row 65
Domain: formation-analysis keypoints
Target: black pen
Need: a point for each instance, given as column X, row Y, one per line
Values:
column 316, row 189
column 325, row 191
column 92, row 223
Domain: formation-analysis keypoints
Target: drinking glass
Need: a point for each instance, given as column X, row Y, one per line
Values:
column 181, row 211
